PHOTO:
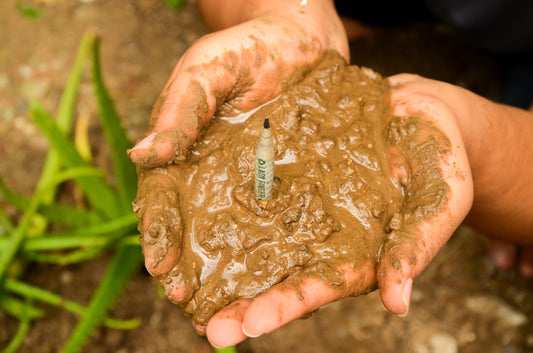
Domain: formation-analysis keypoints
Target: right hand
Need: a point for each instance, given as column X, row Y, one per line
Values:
column 239, row 68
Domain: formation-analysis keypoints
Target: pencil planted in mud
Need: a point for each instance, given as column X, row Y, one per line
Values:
column 264, row 164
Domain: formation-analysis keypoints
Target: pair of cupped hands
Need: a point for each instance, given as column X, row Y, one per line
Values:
column 245, row 66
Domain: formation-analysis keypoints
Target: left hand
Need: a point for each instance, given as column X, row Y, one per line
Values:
column 402, row 259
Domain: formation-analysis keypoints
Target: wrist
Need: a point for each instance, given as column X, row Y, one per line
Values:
column 499, row 140
column 317, row 19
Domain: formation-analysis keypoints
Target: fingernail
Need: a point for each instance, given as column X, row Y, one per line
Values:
column 249, row 334
column 144, row 143
column 147, row 270
column 214, row 345
column 406, row 295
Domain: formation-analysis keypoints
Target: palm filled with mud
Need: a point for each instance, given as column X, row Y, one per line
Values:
column 362, row 181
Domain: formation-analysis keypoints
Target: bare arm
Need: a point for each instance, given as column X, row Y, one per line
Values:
column 501, row 159
column 227, row 13
column 499, row 144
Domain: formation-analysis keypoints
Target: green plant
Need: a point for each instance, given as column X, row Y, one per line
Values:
column 108, row 223
column 28, row 10
column 175, row 4
column 225, row 350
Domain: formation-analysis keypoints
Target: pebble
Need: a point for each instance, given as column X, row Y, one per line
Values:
column 497, row 309
column 529, row 340
column 34, row 88
column 25, row 71
column 25, row 126
column 7, row 113
column 417, row 296
column 4, row 81
column 440, row 342
column 66, row 277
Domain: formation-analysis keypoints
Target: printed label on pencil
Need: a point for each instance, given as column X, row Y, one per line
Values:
column 264, row 164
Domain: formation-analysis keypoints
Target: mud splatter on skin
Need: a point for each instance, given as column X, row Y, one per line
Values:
column 238, row 89
column 352, row 181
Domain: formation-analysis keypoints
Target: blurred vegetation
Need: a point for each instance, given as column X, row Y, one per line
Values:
column 103, row 224
column 106, row 224
column 175, row 4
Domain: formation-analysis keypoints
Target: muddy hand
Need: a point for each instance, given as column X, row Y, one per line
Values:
column 239, row 68
column 498, row 141
column 404, row 254
column 157, row 207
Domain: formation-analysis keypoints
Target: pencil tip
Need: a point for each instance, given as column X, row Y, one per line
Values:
column 266, row 124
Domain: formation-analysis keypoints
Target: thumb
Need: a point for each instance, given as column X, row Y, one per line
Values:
column 176, row 120
column 404, row 259
column 409, row 250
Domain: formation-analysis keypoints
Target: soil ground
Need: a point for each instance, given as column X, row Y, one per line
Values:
column 459, row 304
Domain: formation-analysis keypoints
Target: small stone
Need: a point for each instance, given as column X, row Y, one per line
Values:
column 7, row 113
column 417, row 296
column 439, row 342
column 25, row 71
column 497, row 309
column 443, row 343
column 66, row 277
column 4, row 81
column 529, row 340
column 34, row 88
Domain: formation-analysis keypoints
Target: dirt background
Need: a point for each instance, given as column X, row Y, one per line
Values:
column 459, row 304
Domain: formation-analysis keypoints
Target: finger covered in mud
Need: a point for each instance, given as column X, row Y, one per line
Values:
column 157, row 207
column 349, row 176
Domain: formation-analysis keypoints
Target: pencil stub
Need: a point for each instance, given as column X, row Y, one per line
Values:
column 264, row 164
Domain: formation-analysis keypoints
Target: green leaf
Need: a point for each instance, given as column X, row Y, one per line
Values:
column 98, row 235
column 231, row 349
column 36, row 293
column 56, row 243
column 125, row 262
column 22, row 331
column 61, row 214
column 65, row 112
column 28, row 11
column 53, row 212
column 117, row 140
column 17, row 308
column 64, row 259
column 100, row 195
column 5, row 223
column 12, row 197
column 64, row 121
column 175, row 4
column 68, row 216
column 15, row 240
column 122, row 224
column 11, row 247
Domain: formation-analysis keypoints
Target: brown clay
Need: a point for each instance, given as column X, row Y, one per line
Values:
column 349, row 177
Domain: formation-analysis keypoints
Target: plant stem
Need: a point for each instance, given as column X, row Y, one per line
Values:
column 22, row 332
column 231, row 349
column 65, row 112
column 44, row 296
column 12, row 246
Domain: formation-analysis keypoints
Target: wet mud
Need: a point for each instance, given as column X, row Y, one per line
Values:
column 349, row 177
